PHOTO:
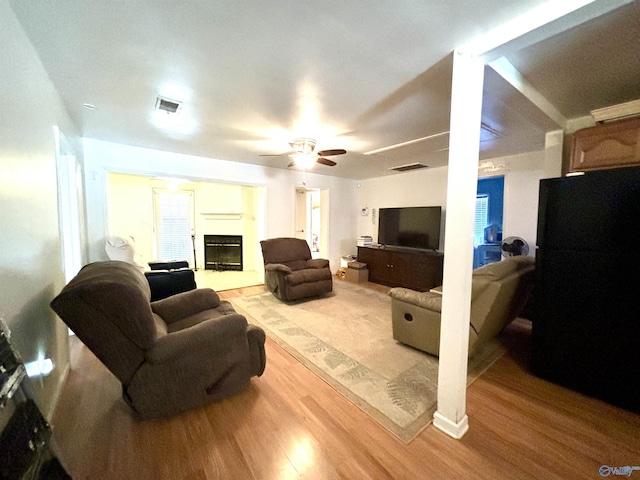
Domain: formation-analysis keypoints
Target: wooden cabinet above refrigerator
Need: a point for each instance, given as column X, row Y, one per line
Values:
column 608, row 145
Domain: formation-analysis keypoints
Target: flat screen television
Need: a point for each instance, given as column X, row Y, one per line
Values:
column 410, row 227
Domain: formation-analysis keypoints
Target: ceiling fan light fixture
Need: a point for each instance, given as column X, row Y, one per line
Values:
column 303, row 146
column 303, row 160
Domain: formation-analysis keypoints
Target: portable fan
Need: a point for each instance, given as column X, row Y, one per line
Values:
column 514, row 246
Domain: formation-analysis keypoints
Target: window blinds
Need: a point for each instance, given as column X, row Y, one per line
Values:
column 173, row 224
column 482, row 217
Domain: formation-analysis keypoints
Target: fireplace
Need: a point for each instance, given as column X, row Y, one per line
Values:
column 223, row 252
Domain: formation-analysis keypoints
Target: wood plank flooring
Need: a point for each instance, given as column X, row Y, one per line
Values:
column 289, row 424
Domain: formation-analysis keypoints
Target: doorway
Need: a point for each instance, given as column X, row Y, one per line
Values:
column 310, row 219
column 174, row 225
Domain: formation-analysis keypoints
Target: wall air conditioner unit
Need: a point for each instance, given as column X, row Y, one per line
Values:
column 616, row 112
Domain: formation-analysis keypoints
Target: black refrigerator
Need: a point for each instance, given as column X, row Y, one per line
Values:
column 586, row 315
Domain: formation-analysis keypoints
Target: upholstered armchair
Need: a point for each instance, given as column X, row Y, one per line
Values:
column 499, row 293
column 171, row 355
column 165, row 278
column 290, row 272
column 165, row 282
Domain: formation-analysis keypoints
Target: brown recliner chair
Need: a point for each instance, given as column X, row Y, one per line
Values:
column 290, row 272
column 171, row 355
column 499, row 292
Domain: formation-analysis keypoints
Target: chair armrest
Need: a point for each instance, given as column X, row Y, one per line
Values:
column 182, row 305
column 428, row 300
column 318, row 263
column 208, row 335
column 256, row 338
column 277, row 267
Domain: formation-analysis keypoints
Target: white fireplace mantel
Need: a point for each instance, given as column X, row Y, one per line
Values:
column 222, row 223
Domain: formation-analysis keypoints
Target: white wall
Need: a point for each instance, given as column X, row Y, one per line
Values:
column 521, row 185
column 429, row 187
column 30, row 249
column 277, row 186
column 409, row 189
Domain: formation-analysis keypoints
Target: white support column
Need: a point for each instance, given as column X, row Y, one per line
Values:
column 464, row 141
column 553, row 144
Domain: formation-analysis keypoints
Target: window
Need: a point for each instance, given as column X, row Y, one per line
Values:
column 174, row 220
column 482, row 218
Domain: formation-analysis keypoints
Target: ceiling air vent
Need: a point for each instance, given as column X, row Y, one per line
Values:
column 410, row 166
column 166, row 105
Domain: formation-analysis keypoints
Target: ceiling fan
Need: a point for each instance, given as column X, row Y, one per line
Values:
column 303, row 155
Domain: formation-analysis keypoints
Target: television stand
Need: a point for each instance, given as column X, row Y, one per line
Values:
column 397, row 267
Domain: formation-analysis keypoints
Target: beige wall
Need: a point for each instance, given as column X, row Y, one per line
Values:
column 30, row 250
column 219, row 209
column 274, row 193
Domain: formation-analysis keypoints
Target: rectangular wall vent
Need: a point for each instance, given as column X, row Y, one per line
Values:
column 166, row 105
column 410, row 166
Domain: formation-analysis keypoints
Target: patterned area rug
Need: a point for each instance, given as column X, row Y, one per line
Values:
column 345, row 338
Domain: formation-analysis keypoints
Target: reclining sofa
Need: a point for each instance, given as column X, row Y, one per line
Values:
column 171, row 355
column 290, row 272
column 499, row 293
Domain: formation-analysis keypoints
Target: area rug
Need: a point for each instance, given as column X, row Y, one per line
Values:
column 345, row 338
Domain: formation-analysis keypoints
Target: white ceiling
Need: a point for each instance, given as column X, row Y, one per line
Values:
column 358, row 75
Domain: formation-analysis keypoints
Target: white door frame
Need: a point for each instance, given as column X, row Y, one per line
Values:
column 303, row 221
column 70, row 205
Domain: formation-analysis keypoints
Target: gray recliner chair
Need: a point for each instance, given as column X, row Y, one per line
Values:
column 290, row 272
column 499, row 292
column 171, row 355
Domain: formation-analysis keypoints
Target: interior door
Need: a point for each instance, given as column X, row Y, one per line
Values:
column 301, row 214
column 311, row 218
column 174, row 221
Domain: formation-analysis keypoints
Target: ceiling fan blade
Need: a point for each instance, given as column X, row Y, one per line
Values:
column 335, row 151
column 325, row 161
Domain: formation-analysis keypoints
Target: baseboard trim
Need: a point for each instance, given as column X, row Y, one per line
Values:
column 57, row 393
column 453, row 429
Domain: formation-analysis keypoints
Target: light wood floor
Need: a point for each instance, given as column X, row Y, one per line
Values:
column 288, row 424
column 226, row 280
